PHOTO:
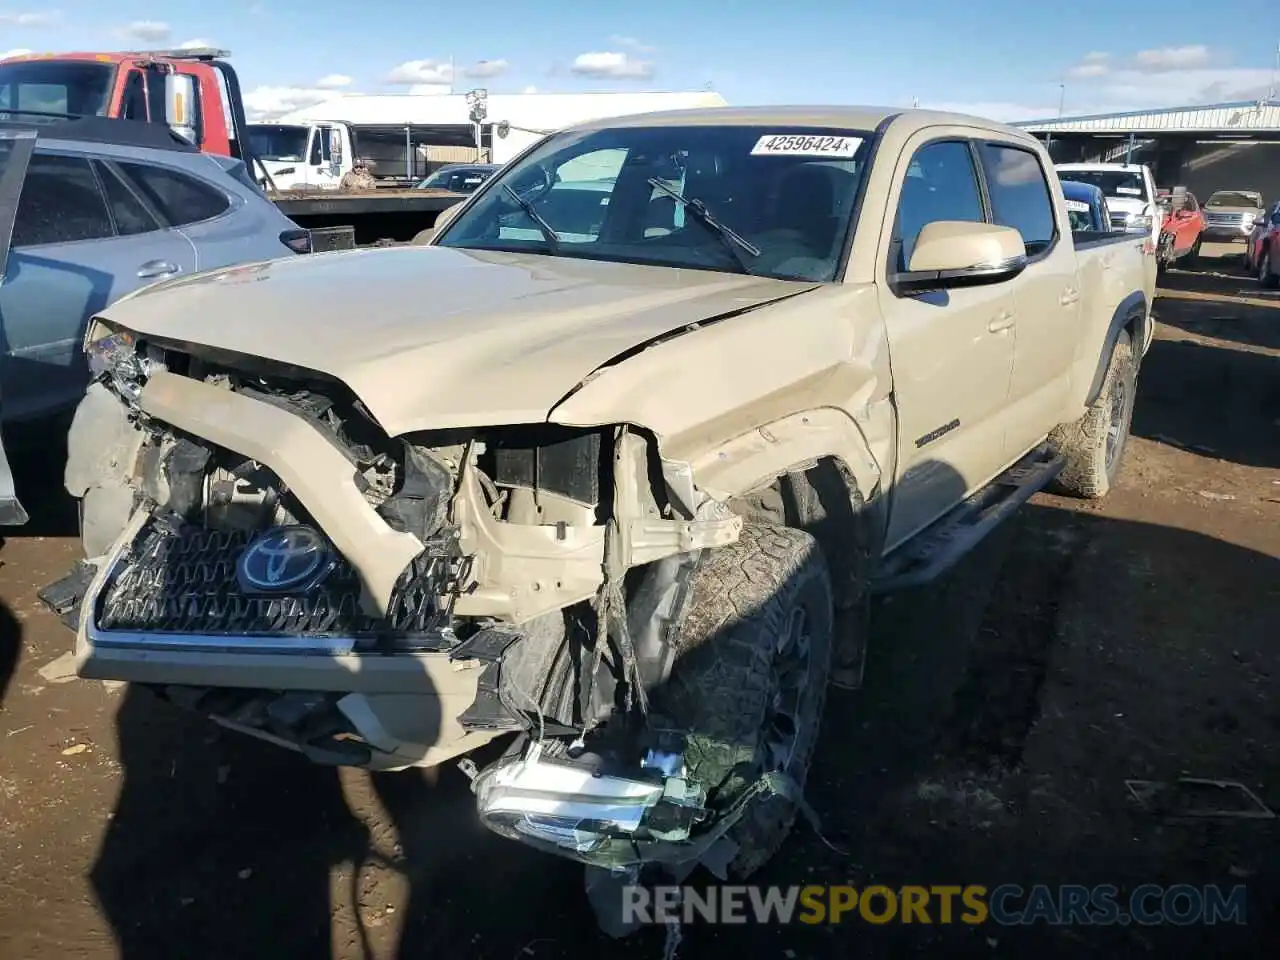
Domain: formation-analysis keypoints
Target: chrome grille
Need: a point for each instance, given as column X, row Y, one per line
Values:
column 181, row 578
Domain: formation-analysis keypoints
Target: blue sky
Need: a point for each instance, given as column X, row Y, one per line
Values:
column 1001, row 58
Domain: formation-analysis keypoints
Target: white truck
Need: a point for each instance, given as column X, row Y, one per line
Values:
column 1130, row 190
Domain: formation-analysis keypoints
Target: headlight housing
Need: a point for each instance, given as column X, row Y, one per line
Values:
column 115, row 356
column 1138, row 221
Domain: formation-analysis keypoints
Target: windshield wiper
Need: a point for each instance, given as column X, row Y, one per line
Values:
column 548, row 234
column 734, row 241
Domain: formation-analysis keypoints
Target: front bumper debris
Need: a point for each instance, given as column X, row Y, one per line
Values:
column 578, row 812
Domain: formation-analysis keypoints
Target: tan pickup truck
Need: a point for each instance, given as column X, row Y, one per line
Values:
column 613, row 464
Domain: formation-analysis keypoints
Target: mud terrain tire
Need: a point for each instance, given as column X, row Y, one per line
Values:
column 1094, row 445
column 754, row 650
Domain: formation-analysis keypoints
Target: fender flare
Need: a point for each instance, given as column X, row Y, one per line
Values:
column 756, row 458
column 1131, row 308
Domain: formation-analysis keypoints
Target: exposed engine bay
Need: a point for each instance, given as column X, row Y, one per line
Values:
column 549, row 563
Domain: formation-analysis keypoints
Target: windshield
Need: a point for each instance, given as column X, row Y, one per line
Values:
column 457, row 179
column 1117, row 184
column 58, row 88
column 1233, row 198
column 273, row 141
column 788, row 192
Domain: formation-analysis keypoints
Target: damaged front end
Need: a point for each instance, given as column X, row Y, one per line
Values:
column 259, row 550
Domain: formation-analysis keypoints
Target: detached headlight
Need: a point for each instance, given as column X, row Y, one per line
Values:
column 116, row 356
column 1138, row 221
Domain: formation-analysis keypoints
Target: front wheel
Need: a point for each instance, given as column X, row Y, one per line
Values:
column 750, row 679
column 1094, row 444
column 1266, row 275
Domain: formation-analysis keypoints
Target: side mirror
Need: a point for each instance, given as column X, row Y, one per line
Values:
column 179, row 105
column 443, row 218
column 957, row 253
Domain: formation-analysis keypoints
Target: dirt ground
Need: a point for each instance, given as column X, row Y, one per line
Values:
column 1085, row 644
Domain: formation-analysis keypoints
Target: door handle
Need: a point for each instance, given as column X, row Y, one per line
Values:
column 1000, row 322
column 1069, row 296
column 157, row 268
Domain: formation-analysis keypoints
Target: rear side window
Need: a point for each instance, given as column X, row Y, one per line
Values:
column 179, row 198
column 60, row 203
column 130, row 214
column 1019, row 194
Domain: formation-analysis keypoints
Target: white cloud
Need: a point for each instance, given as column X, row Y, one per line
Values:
column 1164, row 59
column 482, row 69
column 529, row 89
column 269, row 103
column 257, row 9
column 1095, row 64
column 195, row 44
column 15, row 52
column 421, row 71
column 46, row 19
column 612, row 64
column 333, row 81
column 431, row 89
column 150, row 31
column 631, row 43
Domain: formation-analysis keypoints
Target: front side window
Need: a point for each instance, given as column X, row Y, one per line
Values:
column 134, row 106
column 60, row 203
column 274, row 141
column 940, row 185
column 774, row 202
column 58, row 88
column 179, row 198
column 1019, row 194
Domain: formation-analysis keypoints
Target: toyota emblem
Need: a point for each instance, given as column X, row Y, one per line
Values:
column 284, row 558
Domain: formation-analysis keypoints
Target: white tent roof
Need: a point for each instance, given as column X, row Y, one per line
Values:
column 542, row 111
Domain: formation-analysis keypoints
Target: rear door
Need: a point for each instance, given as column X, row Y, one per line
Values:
column 15, row 153
column 81, row 239
column 1047, row 293
column 226, row 223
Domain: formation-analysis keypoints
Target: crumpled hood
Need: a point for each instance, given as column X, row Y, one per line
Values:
column 435, row 337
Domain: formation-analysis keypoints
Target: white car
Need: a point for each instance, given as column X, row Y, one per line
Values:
column 1130, row 190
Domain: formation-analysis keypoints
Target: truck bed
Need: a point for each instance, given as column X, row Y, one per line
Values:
column 372, row 215
column 314, row 202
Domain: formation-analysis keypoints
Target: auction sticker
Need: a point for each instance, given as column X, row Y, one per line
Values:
column 1079, row 206
column 802, row 145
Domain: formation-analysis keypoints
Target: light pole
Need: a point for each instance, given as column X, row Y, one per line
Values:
column 478, row 105
column 1062, row 97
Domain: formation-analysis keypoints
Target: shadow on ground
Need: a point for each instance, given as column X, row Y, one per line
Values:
column 1213, row 399
column 962, row 692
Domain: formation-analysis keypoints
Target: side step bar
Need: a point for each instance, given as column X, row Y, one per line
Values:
column 938, row 548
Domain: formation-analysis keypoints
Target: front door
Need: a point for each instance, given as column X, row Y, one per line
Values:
column 951, row 351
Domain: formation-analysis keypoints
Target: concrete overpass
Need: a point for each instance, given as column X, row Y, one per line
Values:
column 1216, row 146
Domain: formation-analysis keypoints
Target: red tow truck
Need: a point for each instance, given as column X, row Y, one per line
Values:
column 197, row 93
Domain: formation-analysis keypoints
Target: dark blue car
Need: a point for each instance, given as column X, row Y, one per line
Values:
column 1086, row 206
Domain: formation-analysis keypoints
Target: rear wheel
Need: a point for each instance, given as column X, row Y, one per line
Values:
column 750, row 678
column 1094, row 444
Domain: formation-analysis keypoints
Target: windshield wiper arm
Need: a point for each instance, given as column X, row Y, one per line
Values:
column 548, row 234
column 733, row 240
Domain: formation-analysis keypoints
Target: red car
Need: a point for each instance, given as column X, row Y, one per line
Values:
column 1183, row 226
